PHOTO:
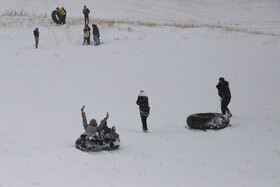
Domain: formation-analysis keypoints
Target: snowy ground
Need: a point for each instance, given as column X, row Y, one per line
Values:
column 178, row 66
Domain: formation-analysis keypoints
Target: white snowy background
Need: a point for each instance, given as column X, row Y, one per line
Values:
column 175, row 51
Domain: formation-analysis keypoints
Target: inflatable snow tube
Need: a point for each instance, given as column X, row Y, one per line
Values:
column 56, row 16
column 98, row 142
column 208, row 121
column 94, row 146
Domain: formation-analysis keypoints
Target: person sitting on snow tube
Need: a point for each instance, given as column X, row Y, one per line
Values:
column 91, row 128
column 109, row 133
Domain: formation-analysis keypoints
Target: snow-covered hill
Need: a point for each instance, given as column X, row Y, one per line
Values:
column 175, row 51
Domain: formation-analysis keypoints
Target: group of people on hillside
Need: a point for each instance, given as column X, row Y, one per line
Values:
column 144, row 108
column 142, row 100
column 95, row 34
column 86, row 30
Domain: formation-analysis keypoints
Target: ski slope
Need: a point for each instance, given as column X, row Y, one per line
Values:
column 175, row 51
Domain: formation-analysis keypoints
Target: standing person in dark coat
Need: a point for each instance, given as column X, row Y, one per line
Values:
column 36, row 36
column 224, row 93
column 143, row 103
column 86, row 13
column 95, row 34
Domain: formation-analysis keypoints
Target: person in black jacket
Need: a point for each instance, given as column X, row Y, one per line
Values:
column 95, row 34
column 86, row 12
column 36, row 36
column 224, row 93
column 143, row 103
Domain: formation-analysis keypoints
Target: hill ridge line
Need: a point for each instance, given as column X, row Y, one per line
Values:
column 31, row 20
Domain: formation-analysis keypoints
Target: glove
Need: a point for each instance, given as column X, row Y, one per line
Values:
column 107, row 116
column 82, row 109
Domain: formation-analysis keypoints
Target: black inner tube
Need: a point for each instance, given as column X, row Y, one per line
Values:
column 56, row 16
column 207, row 121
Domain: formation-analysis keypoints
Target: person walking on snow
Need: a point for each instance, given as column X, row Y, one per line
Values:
column 86, row 12
column 36, row 36
column 144, row 108
column 224, row 93
column 95, row 34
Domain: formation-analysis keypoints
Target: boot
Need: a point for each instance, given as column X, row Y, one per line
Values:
column 229, row 113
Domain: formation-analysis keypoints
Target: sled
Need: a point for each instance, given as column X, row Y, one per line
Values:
column 56, row 16
column 205, row 121
column 97, row 142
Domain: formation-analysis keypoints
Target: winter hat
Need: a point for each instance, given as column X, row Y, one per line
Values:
column 93, row 121
column 221, row 79
column 142, row 93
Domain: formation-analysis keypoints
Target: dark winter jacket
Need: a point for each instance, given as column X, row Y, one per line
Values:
column 86, row 11
column 102, row 125
column 95, row 30
column 143, row 103
column 89, row 129
column 36, row 33
column 223, row 90
column 106, row 129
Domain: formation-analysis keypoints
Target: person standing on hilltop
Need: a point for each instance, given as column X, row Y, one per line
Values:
column 36, row 36
column 86, row 12
column 95, row 34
